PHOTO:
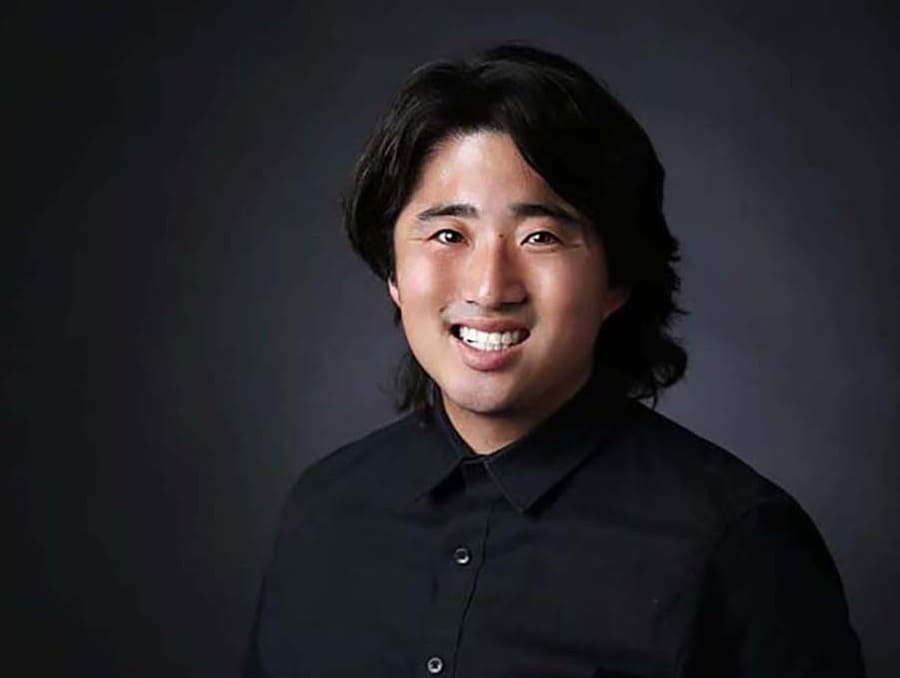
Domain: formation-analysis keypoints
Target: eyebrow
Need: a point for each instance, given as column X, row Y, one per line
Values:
column 454, row 210
column 535, row 209
column 519, row 209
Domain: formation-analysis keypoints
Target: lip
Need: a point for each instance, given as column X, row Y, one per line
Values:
column 488, row 361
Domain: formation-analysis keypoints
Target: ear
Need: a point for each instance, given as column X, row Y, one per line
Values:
column 394, row 292
column 616, row 298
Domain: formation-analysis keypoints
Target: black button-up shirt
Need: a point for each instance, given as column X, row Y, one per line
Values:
column 609, row 541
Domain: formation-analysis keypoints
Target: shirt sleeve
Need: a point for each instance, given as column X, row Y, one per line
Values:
column 773, row 604
column 252, row 667
column 290, row 514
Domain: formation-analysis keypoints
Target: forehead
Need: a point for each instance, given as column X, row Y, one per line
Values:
column 476, row 165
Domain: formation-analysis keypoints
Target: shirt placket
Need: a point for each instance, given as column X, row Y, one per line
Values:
column 462, row 558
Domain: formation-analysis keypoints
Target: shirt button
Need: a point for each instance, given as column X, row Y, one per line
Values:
column 461, row 555
column 435, row 665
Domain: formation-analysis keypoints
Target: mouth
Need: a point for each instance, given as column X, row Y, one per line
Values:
column 488, row 341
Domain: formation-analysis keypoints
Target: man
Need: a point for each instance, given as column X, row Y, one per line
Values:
column 529, row 516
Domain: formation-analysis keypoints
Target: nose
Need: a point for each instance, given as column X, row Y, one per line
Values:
column 493, row 275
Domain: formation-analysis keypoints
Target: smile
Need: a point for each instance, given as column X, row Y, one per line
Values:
column 488, row 341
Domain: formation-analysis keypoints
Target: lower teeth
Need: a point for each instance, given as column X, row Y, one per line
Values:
column 488, row 347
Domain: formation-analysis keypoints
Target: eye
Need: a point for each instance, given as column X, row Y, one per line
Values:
column 447, row 236
column 542, row 238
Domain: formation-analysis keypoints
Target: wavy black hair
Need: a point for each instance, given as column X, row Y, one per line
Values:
column 585, row 145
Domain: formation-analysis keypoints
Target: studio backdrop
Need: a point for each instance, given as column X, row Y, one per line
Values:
column 189, row 328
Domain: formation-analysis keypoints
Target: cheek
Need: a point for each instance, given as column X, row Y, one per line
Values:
column 422, row 280
column 571, row 298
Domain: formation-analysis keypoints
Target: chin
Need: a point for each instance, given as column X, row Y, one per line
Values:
column 486, row 399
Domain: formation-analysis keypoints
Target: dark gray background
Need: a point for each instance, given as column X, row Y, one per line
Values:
column 189, row 329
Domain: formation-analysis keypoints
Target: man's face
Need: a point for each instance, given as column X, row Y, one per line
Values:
column 501, row 284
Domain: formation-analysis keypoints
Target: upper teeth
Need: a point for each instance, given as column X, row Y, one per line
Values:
column 490, row 341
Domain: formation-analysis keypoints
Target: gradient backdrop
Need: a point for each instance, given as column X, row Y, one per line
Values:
column 190, row 330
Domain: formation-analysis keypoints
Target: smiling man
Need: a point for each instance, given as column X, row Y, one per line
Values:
column 529, row 515
column 501, row 285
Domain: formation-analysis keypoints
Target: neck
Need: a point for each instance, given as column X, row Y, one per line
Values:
column 486, row 433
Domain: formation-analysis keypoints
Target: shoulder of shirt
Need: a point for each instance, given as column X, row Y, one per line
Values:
column 320, row 477
column 696, row 487
column 694, row 474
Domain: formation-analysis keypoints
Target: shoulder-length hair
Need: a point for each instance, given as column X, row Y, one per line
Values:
column 585, row 145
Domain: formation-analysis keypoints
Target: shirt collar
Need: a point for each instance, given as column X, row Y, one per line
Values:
column 528, row 468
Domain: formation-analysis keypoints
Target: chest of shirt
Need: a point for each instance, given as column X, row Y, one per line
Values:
column 463, row 584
